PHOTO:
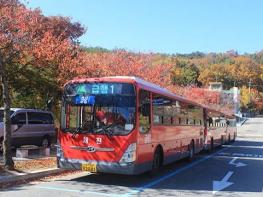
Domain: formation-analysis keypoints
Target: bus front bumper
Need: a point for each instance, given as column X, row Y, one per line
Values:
column 101, row 166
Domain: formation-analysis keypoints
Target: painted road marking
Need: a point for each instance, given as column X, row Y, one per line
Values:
column 239, row 164
column 241, row 155
column 75, row 191
column 237, row 146
column 163, row 178
column 220, row 185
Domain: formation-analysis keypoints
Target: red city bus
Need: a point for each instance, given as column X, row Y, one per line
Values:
column 126, row 125
column 220, row 128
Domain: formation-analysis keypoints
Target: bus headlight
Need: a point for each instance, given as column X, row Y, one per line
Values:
column 130, row 154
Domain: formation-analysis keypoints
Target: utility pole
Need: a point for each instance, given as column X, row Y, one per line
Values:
column 249, row 97
column 249, row 86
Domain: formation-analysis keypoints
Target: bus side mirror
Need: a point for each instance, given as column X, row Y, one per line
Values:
column 210, row 121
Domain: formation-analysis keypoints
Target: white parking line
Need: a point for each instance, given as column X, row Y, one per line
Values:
column 237, row 146
column 75, row 191
column 241, row 155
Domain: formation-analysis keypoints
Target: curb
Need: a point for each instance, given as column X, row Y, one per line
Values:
column 14, row 178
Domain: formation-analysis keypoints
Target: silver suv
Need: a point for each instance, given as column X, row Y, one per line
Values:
column 30, row 127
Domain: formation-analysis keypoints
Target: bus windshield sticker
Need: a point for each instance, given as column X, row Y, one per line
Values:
column 128, row 127
column 81, row 89
column 86, row 100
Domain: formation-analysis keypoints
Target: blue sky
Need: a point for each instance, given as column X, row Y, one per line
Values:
column 165, row 26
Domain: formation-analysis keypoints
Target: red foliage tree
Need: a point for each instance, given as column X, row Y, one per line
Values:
column 27, row 38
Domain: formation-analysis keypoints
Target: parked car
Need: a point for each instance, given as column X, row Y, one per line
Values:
column 30, row 127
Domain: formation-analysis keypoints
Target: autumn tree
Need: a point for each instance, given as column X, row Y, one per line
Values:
column 121, row 62
column 251, row 99
column 31, row 43
column 213, row 73
column 185, row 73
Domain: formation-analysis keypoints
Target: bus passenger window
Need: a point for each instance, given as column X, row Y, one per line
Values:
column 210, row 122
column 144, row 111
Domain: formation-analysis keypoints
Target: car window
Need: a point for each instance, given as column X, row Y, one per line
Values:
column 39, row 118
column 19, row 118
column 2, row 114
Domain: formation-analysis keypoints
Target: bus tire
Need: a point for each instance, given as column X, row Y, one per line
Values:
column 191, row 149
column 211, row 144
column 1, row 144
column 157, row 161
column 222, row 141
column 234, row 139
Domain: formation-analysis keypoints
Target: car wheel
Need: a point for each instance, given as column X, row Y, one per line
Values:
column 45, row 142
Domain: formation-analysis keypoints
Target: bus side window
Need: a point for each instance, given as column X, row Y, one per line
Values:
column 144, row 111
column 210, row 122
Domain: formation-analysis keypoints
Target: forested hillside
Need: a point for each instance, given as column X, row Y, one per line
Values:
column 185, row 74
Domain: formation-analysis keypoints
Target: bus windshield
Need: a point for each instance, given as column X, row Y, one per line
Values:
column 104, row 108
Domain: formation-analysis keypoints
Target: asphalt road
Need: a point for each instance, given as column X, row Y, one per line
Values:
column 233, row 170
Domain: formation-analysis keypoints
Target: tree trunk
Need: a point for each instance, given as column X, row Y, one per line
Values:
column 7, row 153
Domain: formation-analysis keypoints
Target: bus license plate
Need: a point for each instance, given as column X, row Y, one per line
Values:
column 89, row 167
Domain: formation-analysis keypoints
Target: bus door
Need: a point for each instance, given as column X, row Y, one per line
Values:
column 205, row 124
column 144, row 127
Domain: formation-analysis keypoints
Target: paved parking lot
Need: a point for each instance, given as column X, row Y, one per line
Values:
column 233, row 170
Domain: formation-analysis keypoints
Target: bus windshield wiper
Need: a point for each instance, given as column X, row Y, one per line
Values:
column 106, row 130
column 80, row 130
column 74, row 133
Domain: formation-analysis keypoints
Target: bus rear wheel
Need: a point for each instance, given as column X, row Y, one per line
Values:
column 157, row 161
column 191, row 149
column 212, row 144
column 229, row 139
column 234, row 139
column 1, row 144
column 222, row 141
